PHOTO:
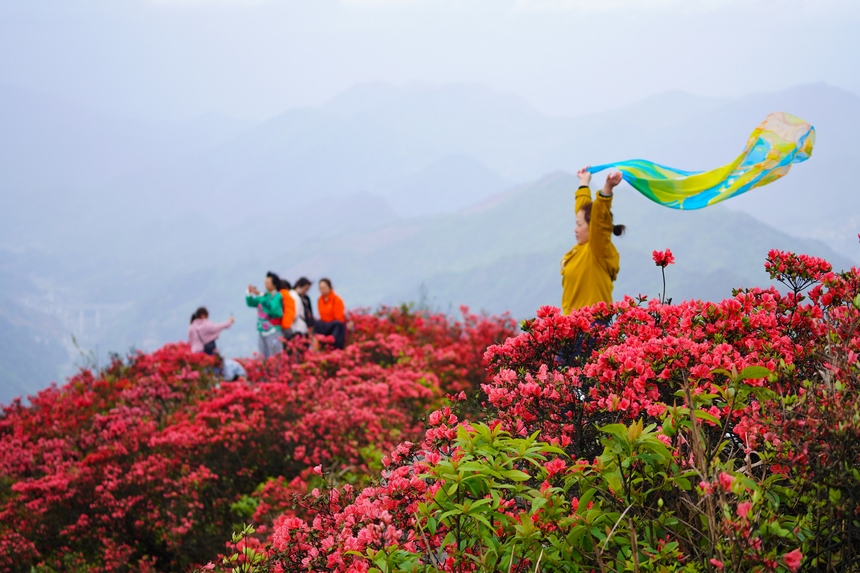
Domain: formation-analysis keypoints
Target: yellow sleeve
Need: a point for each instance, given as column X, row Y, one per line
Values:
column 600, row 228
column 583, row 198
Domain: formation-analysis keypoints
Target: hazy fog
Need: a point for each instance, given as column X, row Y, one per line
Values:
column 255, row 58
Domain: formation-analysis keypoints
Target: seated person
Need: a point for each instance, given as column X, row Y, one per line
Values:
column 332, row 320
column 228, row 368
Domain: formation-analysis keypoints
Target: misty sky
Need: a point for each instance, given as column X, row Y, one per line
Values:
column 255, row 58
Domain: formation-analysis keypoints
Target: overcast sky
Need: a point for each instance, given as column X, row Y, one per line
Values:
column 255, row 58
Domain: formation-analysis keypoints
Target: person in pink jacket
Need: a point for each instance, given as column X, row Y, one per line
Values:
column 203, row 332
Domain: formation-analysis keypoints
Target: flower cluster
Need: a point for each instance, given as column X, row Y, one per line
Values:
column 633, row 436
column 675, row 435
column 663, row 258
column 148, row 464
column 796, row 271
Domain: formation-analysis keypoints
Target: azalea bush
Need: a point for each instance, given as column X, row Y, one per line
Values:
column 636, row 436
column 149, row 464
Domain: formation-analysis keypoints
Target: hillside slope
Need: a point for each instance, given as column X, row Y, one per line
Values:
column 500, row 255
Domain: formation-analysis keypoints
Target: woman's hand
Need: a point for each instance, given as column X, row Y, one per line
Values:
column 612, row 180
column 584, row 176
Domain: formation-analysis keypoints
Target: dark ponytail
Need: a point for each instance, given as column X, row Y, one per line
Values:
column 199, row 313
column 617, row 230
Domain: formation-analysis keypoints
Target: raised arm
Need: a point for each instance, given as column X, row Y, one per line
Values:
column 600, row 228
column 211, row 329
column 583, row 194
column 252, row 297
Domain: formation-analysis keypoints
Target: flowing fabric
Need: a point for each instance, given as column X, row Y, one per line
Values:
column 780, row 140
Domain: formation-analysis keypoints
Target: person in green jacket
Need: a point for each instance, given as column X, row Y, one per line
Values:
column 270, row 309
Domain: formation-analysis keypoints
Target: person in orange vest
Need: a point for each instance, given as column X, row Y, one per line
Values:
column 332, row 320
column 289, row 309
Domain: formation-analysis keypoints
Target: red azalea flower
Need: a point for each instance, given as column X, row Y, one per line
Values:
column 663, row 258
column 792, row 559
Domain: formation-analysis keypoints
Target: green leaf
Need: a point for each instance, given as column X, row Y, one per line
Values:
column 617, row 430
column 516, row 475
column 448, row 514
column 538, row 503
column 585, row 498
column 547, row 449
column 709, row 417
column 597, row 534
column 478, row 505
column 474, row 466
column 761, row 393
column 381, row 561
column 754, row 372
column 683, row 483
column 576, row 534
column 483, row 520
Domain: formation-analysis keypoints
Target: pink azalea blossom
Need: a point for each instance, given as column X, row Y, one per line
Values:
column 793, row 559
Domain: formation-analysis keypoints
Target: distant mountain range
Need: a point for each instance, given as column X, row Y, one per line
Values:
column 503, row 254
column 117, row 229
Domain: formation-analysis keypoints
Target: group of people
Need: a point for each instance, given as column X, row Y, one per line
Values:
column 285, row 312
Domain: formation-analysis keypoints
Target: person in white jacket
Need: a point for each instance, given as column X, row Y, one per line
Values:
column 203, row 333
column 300, row 324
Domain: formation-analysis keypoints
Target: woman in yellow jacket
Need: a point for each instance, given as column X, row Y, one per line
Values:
column 591, row 266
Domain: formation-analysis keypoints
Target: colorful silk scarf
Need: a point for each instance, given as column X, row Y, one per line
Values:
column 782, row 139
